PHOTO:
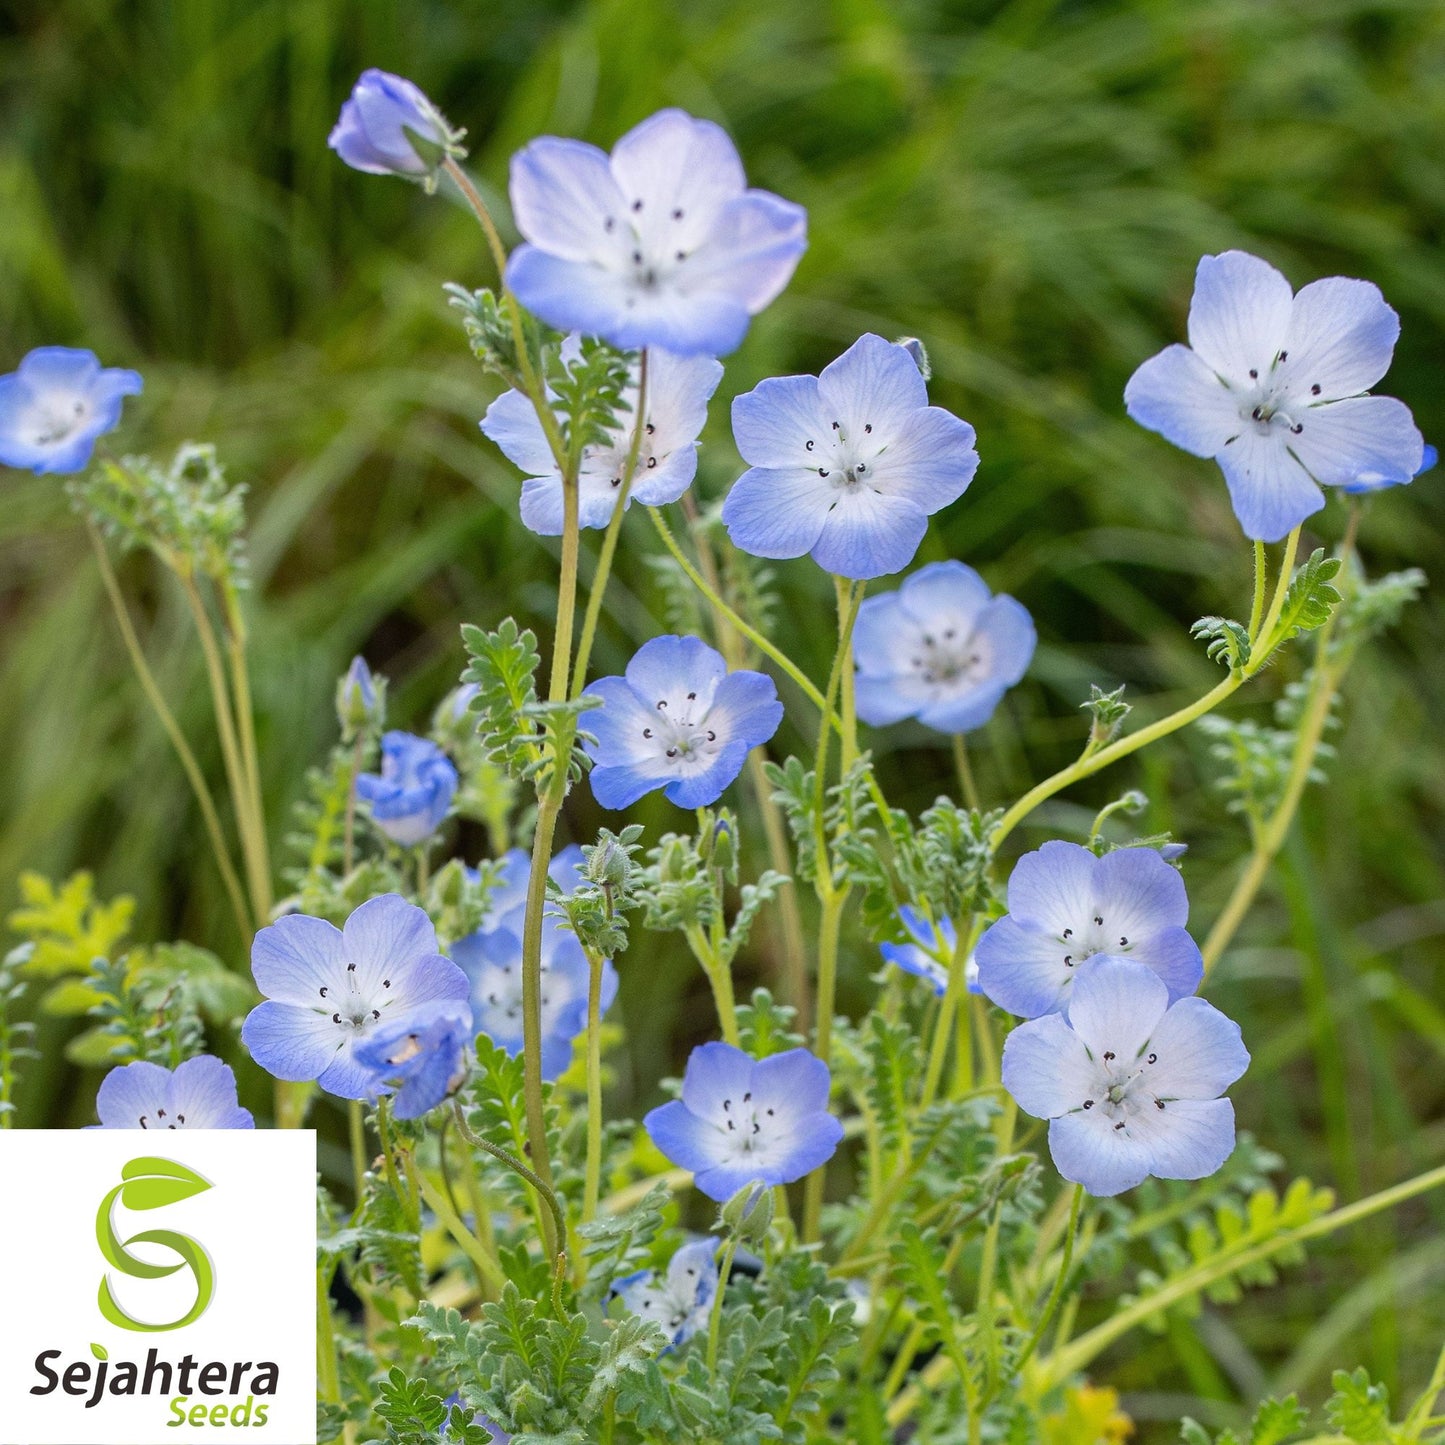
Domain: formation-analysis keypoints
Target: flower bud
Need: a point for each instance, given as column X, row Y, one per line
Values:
column 723, row 850
column 359, row 703
column 608, row 864
column 915, row 348
column 748, row 1215
column 389, row 128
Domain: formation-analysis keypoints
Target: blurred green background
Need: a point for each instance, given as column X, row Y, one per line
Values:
column 1026, row 186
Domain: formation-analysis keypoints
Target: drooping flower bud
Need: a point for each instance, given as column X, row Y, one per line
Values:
column 389, row 128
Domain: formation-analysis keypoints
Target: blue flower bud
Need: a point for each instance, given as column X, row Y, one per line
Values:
column 389, row 128
column 358, row 703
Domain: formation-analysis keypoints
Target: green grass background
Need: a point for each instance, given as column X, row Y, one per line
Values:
column 1024, row 184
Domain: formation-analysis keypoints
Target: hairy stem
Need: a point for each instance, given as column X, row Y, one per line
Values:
column 593, row 1179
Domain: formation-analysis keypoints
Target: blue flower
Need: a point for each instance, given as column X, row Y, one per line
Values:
column 389, row 128
column 660, row 244
column 419, row 1057
column 679, row 721
column 411, row 796
column 1371, row 481
column 329, row 990
column 681, row 1300
column 55, row 406
column 742, row 1119
column 1129, row 1081
column 507, row 900
column 1066, row 905
column 1271, row 386
column 930, row 953
column 200, row 1094
column 848, row 465
column 492, row 960
column 941, row 648
column 678, row 390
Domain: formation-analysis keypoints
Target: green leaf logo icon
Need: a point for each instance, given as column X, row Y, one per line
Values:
column 99, row 1352
column 151, row 1183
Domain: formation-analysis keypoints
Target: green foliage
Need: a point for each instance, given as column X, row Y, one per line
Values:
column 66, row 928
column 1226, row 641
column 1107, row 711
column 765, row 1025
column 504, row 667
column 491, row 335
column 588, row 389
column 1309, row 599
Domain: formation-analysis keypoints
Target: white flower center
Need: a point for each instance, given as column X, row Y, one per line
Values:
column 749, row 1129
column 950, row 657
column 680, row 734
column 846, row 463
column 1091, row 937
column 1272, row 402
column 1121, row 1089
column 653, row 244
column 352, row 1011
column 55, row 418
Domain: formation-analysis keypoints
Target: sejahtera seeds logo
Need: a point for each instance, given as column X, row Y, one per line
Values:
column 151, row 1184
column 158, row 1297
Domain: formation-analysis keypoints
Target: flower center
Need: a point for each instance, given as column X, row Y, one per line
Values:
column 749, row 1129
column 56, row 419
column 680, row 732
column 949, row 657
column 1093, row 937
column 1271, row 403
column 847, row 464
column 353, row 1011
column 1121, row 1089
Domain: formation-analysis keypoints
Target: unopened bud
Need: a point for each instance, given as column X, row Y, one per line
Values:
column 915, row 348
column 359, row 704
column 748, row 1215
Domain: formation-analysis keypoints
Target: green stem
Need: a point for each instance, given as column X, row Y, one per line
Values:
column 357, row 1124
column 965, row 772
column 1057, row 1293
column 767, row 648
column 1256, row 611
column 609, row 540
column 172, row 728
column 593, row 1185
column 943, row 1025
column 348, row 835
column 1091, row 763
column 441, row 1206
column 235, row 623
column 828, row 935
column 720, row 979
column 714, row 1322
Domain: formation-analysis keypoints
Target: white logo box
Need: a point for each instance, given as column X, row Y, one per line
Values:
column 257, row 1224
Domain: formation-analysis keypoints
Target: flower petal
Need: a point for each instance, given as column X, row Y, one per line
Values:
column 676, row 670
column 868, row 534
column 297, row 956
column 1116, row 1005
column 1360, row 434
column 1188, row 1139
column 965, row 709
column 746, row 708
column 563, row 194
column 674, row 163
column 795, row 1083
column 1047, row 1068
column 130, row 1093
column 751, row 254
column 1342, row 335
column 511, row 422
column 1178, row 395
column 1240, row 315
column 1088, row 1150
column 1200, row 1052
column 1270, row 491
column 387, row 937
column 203, row 1089
column 715, row 1072
column 943, row 595
column 684, row 1138
column 289, row 1042
column 777, row 513
column 1054, row 887
column 774, row 422
column 1021, row 968
column 1137, row 892
column 931, row 462
column 704, row 787
column 874, row 383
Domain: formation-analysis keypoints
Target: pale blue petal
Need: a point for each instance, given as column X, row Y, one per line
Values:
column 673, row 162
column 1360, row 434
column 1137, row 892
column 1270, row 491
column 683, row 1137
column 1174, row 956
column 1177, row 395
column 774, row 422
column 1022, row 969
column 670, row 667
column 751, row 253
column 1342, row 335
column 387, row 937
column 1007, row 627
column 1046, row 1067
column 295, row 957
column 289, row 1042
column 745, row 708
column 129, row 1094
column 943, row 595
column 869, row 535
column 65, row 368
column 203, row 1096
column 658, row 486
column 347, row 1077
column 621, row 787
column 931, row 460
column 568, row 294
column 877, row 637
column 511, row 422
column 884, row 700
column 1116, row 1005
column 777, row 512
column 1200, row 1052
column 1088, row 1150
column 874, row 383
column 1054, row 887
column 965, row 710
column 795, row 1083
column 563, row 194
column 704, row 787
column 1240, row 315
column 1188, row 1139
column 617, row 724
column 715, row 1072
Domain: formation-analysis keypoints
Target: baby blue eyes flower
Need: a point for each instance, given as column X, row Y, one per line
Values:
column 330, row 990
column 1272, row 387
column 659, row 244
column 492, row 961
column 420, row 1057
column 1129, row 1081
column 680, row 1300
column 55, row 406
column 507, row 902
column 941, row 648
column 930, row 951
column 1067, row 906
column 1371, row 481
column 678, row 390
column 680, row 721
column 848, row 465
column 200, row 1094
column 742, row 1119
column 414, row 790
column 389, row 128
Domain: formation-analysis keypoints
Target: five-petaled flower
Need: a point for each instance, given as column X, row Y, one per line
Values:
column 929, row 952
column 329, row 990
column 389, row 128
column 199, row 1094
column 660, row 244
column 941, row 648
column 678, row 391
column 1272, row 387
column 492, row 961
column 847, row 465
column 1066, row 906
column 56, row 405
column 411, row 795
column 678, row 720
column 742, row 1119
column 679, row 1300
column 418, row 1058
column 1129, row 1081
